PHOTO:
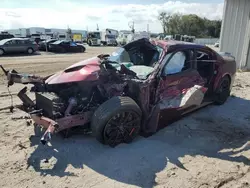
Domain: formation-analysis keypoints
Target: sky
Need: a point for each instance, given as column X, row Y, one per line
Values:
column 86, row 14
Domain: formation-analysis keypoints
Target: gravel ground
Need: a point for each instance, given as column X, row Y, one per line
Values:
column 208, row 148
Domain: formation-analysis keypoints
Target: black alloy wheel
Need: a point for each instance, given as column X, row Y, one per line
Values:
column 122, row 128
column 223, row 91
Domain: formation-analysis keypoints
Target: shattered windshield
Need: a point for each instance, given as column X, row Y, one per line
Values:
column 160, row 50
column 120, row 56
column 136, row 64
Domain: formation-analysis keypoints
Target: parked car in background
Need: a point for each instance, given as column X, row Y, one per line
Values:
column 43, row 44
column 64, row 46
column 6, row 35
column 17, row 45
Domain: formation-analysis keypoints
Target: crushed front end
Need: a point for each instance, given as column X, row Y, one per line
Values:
column 56, row 107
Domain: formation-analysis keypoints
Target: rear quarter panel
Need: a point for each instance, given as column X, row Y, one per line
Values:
column 225, row 66
column 35, row 47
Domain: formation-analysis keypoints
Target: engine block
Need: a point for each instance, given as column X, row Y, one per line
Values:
column 50, row 103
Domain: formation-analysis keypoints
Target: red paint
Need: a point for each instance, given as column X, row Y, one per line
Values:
column 131, row 132
column 89, row 72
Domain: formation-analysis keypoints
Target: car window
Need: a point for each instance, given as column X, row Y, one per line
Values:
column 65, row 43
column 9, row 42
column 12, row 42
column 203, row 56
column 176, row 64
column 20, row 42
column 160, row 50
column 73, row 44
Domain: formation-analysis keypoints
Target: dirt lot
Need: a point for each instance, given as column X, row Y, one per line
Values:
column 208, row 148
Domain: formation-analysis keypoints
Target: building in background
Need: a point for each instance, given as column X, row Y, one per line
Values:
column 235, row 31
column 34, row 31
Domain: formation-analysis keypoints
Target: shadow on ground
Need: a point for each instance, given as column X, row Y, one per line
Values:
column 205, row 133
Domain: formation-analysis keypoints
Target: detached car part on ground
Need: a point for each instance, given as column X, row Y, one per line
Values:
column 135, row 90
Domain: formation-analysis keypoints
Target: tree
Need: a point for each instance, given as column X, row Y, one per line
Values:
column 164, row 19
column 190, row 24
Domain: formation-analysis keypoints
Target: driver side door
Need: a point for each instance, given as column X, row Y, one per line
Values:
column 176, row 78
column 11, row 46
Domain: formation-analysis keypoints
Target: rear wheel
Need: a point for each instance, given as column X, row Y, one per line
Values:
column 223, row 91
column 116, row 121
column 1, row 52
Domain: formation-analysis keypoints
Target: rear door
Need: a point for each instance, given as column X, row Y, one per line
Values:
column 21, row 46
column 177, row 77
column 11, row 46
column 205, row 62
column 66, row 46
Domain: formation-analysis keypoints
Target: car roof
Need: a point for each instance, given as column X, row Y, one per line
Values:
column 173, row 44
column 6, row 40
column 19, row 39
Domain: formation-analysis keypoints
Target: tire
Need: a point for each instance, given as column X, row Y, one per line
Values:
column 90, row 43
column 223, row 91
column 1, row 52
column 30, row 51
column 120, row 116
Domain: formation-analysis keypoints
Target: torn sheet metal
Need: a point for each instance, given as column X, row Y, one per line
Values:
column 188, row 97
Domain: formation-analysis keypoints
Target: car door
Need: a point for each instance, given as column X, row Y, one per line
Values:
column 11, row 46
column 177, row 89
column 205, row 62
column 73, row 47
column 66, row 46
column 21, row 46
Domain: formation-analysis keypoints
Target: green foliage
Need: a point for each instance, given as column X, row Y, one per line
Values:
column 190, row 24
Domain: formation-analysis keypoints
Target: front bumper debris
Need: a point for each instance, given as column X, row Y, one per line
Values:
column 54, row 126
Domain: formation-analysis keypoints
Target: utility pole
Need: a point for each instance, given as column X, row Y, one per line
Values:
column 132, row 26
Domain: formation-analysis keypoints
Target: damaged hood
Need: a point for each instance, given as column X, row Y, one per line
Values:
column 86, row 70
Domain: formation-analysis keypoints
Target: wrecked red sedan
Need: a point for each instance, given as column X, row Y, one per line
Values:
column 129, row 92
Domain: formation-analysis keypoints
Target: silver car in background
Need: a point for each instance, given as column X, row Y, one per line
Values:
column 17, row 45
